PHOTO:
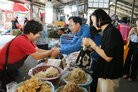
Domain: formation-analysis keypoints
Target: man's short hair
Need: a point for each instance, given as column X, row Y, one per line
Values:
column 33, row 26
column 76, row 19
column 124, row 19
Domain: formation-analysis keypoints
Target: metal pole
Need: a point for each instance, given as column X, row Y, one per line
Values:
column 84, row 5
column 87, row 8
column 133, row 5
column 31, row 11
column 109, row 7
column 115, row 6
column 77, row 4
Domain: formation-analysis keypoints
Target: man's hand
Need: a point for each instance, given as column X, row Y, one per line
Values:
column 55, row 52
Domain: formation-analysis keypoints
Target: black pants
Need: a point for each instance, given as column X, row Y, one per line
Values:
column 7, row 77
column 45, row 47
column 93, row 85
column 9, row 71
column 132, row 53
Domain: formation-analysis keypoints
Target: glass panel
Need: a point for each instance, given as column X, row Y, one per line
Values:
column 101, row 0
column 105, row 5
column 89, row 4
column 96, row 0
column 95, row 4
column 106, row 0
column 101, row 4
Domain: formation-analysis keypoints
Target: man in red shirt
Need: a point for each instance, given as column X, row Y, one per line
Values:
column 14, row 53
column 124, row 28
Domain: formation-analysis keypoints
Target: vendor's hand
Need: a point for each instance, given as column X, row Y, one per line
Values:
column 55, row 52
column 53, row 49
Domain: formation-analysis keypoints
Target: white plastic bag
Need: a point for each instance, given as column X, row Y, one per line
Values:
column 11, row 86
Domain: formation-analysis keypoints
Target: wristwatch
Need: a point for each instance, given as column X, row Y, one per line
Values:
column 95, row 47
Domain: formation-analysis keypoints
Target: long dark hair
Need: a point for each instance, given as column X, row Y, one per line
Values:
column 93, row 30
column 102, row 17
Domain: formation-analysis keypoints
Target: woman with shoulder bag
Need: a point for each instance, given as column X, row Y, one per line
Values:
column 15, row 52
column 109, row 67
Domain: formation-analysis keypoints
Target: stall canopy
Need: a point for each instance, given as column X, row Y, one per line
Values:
column 12, row 6
column 18, row 7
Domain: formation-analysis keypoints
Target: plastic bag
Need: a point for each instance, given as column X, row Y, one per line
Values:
column 54, row 43
column 126, row 49
column 11, row 86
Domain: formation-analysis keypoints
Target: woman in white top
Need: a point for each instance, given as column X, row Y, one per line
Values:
column 133, row 52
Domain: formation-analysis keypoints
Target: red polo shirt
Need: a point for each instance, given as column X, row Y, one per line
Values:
column 19, row 48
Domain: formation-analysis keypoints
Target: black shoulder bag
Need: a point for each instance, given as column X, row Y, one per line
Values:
column 84, row 59
column 14, row 66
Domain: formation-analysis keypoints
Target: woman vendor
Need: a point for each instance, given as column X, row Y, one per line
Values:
column 15, row 52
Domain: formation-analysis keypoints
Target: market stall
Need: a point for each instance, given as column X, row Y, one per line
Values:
column 62, row 73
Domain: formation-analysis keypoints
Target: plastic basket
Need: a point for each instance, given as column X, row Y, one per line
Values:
column 52, row 86
column 44, row 68
column 85, row 90
column 85, row 85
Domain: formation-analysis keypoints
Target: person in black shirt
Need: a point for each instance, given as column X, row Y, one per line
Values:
column 14, row 23
column 109, row 67
column 25, row 20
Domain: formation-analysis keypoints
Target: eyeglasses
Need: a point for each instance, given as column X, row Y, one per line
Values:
column 72, row 25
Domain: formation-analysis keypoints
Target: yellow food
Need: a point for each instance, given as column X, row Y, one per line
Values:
column 77, row 76
column 34, row 85
column 71, row 87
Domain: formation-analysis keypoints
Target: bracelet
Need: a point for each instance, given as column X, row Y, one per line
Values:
column 95, row 47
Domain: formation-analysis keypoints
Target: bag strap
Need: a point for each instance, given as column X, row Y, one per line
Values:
column 7, row 53
column 24, row 36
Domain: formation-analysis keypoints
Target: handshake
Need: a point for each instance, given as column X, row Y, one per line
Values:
column 54, row 52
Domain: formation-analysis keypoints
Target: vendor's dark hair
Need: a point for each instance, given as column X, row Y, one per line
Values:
column 33, row 26
column 76, row 19
column 102, row 17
